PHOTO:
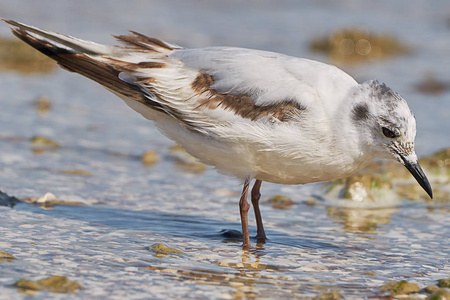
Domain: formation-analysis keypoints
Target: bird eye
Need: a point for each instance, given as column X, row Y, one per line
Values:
column 388, row 133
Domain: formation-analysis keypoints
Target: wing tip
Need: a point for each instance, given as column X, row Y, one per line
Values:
column 12, row 22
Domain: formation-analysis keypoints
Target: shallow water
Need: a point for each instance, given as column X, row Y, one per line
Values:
column 313, row 247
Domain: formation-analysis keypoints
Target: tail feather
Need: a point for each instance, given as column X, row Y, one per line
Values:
column 73, row 43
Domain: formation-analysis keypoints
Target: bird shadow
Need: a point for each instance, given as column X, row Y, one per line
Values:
column 188, row 226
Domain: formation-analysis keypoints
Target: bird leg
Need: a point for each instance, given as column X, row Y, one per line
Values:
column 256, row 195
column 244, row 206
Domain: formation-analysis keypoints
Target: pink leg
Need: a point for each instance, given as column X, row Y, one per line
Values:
column 243, row 208
column 256, row 195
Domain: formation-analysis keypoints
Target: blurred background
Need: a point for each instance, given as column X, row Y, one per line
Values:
column 63, row 134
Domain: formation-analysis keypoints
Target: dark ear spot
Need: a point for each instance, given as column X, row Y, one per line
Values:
column 361, row 112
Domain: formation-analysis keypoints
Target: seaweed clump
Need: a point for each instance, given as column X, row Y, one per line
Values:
column 357, row 46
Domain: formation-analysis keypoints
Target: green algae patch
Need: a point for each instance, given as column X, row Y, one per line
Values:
column 25, row 286
column 6, row 255
column 390, row 181
column 356, row 46
column 17, row 56
column 431, row 289
column 370, row 273
column 444, row 283
column 310, row 202
column 76, row 172
column 333, row 295
column 149, row 158
column 400, row 288
column 437, row 168
column 161, row 248
column 49, row 200
column 42, row 105
column 42, row 141
column 40, row 144
column 280, row 202
column 438, row 163
column 361, row 187
column 440, row 294
column 54, row 284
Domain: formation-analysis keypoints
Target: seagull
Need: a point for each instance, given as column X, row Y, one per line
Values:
column 252, row 114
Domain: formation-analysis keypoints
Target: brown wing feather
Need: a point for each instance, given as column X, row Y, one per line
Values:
column 242, row 105
column 141, row 42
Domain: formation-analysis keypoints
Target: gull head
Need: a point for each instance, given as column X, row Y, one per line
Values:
column 387, row 127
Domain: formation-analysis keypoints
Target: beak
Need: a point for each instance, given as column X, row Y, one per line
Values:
column 416, row 171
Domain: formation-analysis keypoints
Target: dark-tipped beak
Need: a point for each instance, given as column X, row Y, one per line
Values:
column 416, row 171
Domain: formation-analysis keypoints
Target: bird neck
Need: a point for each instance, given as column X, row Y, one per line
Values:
column 352, row 136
